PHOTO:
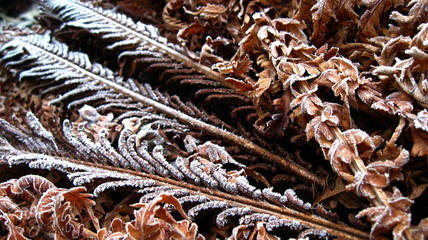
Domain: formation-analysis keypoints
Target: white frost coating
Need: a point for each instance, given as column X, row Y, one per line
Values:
column 183, row 166
column 271, row 195
column 307, row 206
column 158, row 155
column 154, row 189
column 84, row 174
column 198, row 169
column 89, row 113
column 126, row 183
column 292, row 197
column 245, row 187
column 27, row 158
column 206, row 207
column 88, row 177
column 220, row 176
column 256, row 217
column 323, row 233
column 123, row 148
column 193, row 199
column 421, row 120
column 226, row 217
column 38, row 128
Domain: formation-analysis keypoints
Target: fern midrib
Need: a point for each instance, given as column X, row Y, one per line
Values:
column 245, row 145
column 307, row 219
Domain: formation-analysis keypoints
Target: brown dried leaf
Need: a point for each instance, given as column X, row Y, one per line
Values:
column 207, row 56
column 395, row 217
column 397, row 103
column 321, row 127
column 391, row 49
column 210, row 11
column 118, row 231
column 417, row 14
column 262, row 233
column 266, row 77
column 331, row 190
column 419, row 40
column 257, row 232
column 369, row 23
column 391, row 162
column 291, row 26
column 355, row 144
column 304, row 10
column 420, row 143
column 420, row 60
column 43, row 208
column 155, row 222
column 29, row 188
column 364, row 181
column 193, row 32
column 249, row 43
column 237, row 68
column 408, row 73
column 241, row 85
column 280, row 120
column 11, row 217
column 308, row 101
column 369, row 92
column 417, row 191
column 344, row 76
column 322, row 13
column 58, row 208
column 421, row 231
column 326, row 12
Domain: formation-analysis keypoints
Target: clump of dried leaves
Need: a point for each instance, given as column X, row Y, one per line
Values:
column 334, row 93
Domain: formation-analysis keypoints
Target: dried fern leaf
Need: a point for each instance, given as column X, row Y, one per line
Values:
column 56, row 65
column 156, row 65
column 231, row 208
column 142, row 52
column 331, row 125
column 134, row 40
column 104, row 162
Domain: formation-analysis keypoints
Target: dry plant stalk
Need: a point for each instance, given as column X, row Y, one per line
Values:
column 228, row 119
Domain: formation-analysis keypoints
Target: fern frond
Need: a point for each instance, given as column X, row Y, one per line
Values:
column 95, row 157
column 56, row 65
column 198, row 201
column 135, row 40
